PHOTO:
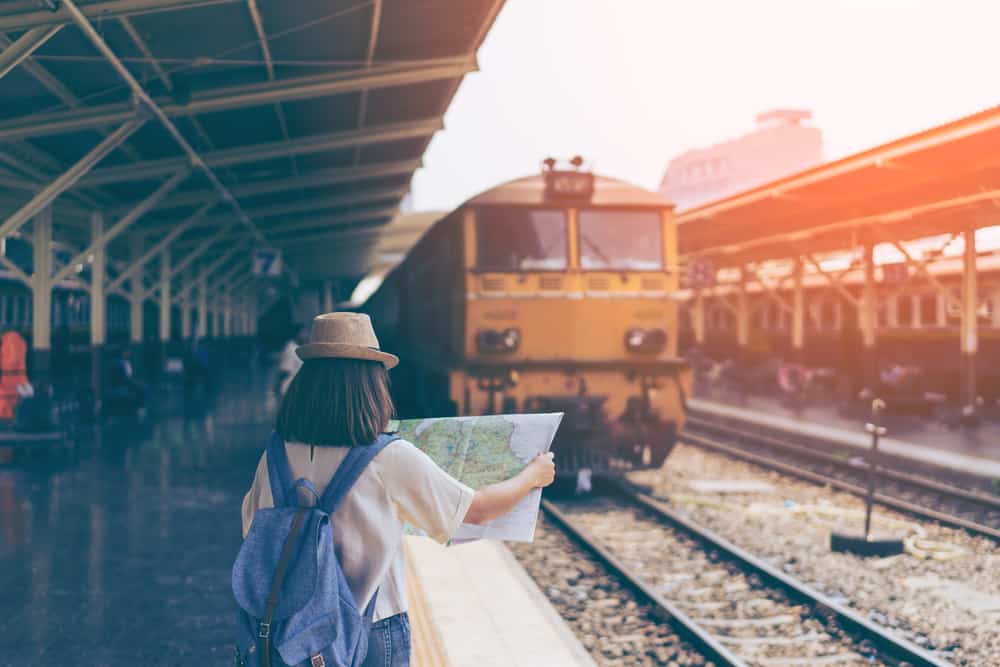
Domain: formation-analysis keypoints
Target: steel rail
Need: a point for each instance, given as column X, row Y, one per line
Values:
column 896, row 475
column 825, row 480
column 683, row 624
column 889, row 645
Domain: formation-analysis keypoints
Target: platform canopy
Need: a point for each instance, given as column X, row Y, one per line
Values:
column 943, row 180
column 284, row 124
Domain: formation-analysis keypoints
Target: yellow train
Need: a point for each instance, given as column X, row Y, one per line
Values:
column 546, row 293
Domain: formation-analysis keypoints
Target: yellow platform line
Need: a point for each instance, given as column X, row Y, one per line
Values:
column 428, row 650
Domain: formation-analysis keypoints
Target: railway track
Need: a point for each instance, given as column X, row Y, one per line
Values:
column 972, row 510
column 736, row 609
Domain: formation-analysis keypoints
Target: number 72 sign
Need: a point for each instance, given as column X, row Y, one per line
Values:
column 266, row 262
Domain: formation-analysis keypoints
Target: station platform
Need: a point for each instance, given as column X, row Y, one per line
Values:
column 473, row 604
column 118, row 551
column 972, row 451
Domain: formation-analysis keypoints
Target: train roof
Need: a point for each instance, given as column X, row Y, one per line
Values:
column 531, row 191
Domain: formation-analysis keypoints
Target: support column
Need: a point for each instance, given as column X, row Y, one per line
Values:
column 995, row 308
column 327, row 296
column 186, row 309
column 202, row 309
column 698, row 318
column 743, row 318
column 216, row 320
column 970, row 321
column 98, row 319
column 165, row 303
column 798, row 313
column 252, row 314
column 915, row 315
column 868, row 318
column 135, row 298
column 892, row 311
column 41, row 297
column 227, row 312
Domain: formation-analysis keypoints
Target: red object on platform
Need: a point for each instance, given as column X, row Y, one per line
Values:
column 13, row 351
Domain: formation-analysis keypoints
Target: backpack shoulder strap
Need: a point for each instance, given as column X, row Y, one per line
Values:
column 350, row 469
column 278, row 472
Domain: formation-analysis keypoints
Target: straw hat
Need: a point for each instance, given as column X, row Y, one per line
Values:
column 344, row 335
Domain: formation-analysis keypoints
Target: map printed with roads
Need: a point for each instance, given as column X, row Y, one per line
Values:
column 479, row 451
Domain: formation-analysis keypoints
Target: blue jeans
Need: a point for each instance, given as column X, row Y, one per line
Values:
column 389, row 642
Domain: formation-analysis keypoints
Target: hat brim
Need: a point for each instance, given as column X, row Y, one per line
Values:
column 345, row 351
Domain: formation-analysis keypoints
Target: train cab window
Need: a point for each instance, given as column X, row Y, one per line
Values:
column 511, row 239
column 621, row 240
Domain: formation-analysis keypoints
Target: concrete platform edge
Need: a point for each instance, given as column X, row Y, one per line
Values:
column 545, row 606
column 970, row 465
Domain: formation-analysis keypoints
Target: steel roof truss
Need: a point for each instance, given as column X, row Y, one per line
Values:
column 920, row 267
column 195, row 159
column 770, row 290
column 836, row 281
column 69, row 177
column 236, row 97
column 269, row 151
column 144, row 207
column 22, row 20
column 173, row 234
column 203, row 247
column 313, row 179
column 26, row 44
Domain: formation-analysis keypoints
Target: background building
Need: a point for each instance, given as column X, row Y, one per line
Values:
column 780, row 145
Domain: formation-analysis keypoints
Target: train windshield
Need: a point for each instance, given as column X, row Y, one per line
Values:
column 621, row 240
column 512, row 239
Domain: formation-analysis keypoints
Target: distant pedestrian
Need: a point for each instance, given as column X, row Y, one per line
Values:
column 289, row 362
column 334, row 411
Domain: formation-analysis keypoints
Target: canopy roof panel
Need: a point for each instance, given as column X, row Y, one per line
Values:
column 942, row 180
column 312, row 114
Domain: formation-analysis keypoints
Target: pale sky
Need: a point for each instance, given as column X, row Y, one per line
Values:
column 629, row 84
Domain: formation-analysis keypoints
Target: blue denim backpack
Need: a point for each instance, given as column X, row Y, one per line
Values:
column 295, row 604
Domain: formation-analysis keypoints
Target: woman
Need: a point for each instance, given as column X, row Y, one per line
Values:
column 340, row 399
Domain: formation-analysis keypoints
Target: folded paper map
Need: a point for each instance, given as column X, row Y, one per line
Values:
column 479, row 451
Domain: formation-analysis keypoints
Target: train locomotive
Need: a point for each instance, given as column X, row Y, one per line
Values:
column 547, row 293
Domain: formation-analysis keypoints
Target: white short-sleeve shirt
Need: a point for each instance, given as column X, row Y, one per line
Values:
column 401, row 484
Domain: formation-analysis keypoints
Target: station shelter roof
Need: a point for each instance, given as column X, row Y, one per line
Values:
column 312, row 114
column 943, row 180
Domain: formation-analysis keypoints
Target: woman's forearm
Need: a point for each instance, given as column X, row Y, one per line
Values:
column 497, row 499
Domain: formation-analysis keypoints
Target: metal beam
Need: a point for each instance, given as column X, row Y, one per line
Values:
column 26, row 44
column 16, row 270
column 313, row 205
column 68, row 178
column 135, row 214
column 269, row 151
column 343, row 234
column 22, row 19
column 192, row 156
column 175, row 231
column 313, row 179
column 341, row 219
column 235, row 97
column 369, row 58
column 214, row 266
column 44, row 77
column 203, row 247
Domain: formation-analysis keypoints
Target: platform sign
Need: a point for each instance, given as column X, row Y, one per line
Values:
column 267, row 262
column 700, row 273
column 895, row 273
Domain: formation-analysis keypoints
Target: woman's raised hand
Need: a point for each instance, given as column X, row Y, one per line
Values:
column 542, row 469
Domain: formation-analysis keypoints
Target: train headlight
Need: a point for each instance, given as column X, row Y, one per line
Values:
column 645, row 340
column 492, row 340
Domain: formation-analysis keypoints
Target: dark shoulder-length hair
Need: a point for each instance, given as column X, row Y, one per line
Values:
column 334, row 402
